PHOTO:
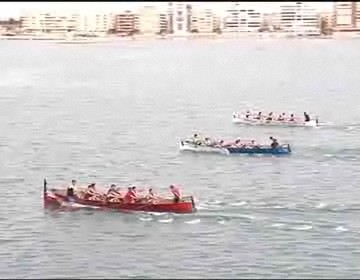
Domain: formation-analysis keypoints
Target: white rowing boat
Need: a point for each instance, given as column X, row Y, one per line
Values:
column 240, row 118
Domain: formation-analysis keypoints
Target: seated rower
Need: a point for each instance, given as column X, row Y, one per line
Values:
column 247, row 114
column 274, row 144
column 270, row 117
column 258, row 117
column 91, row 192
column 307, row 117
column 112, row 193
column 130, row 196
column 281, row 117
column 150, row 195
column 253, row 144
column 176, row 192
column 292, row 118
column 207, row 141
column 70, row 191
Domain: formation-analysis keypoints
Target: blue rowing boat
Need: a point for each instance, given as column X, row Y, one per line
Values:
column 201, row 147
column 280, row 150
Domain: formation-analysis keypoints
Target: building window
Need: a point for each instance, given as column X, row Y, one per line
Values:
column 179, row 13
column 179, row 26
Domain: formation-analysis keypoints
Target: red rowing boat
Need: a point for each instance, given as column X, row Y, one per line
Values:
column 57, row 198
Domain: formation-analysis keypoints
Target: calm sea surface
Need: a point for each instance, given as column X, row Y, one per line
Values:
column 113, row 113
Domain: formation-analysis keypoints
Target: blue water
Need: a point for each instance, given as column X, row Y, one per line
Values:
column 113, row 113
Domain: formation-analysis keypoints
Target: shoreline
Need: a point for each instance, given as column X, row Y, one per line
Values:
column 106, row 39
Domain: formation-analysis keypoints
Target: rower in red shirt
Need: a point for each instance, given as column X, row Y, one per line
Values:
column 131, row 195
column 176, row 192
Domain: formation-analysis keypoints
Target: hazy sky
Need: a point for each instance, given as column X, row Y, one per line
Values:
column 15, row 9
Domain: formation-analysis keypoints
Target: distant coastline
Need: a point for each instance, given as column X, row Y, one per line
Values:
column 211, row 36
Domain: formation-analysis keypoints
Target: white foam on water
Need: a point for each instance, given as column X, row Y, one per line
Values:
column 278, row 225
column 214, row 202
column 303, row 227
column 146, row 219
column 321, row 205
column 341, row 228
column 247, row 217
column 221, row 222
column 202, row 207
column 192, row 222
column 166, row 221
column 240, row 203
column 157, row 213
column 279, row 207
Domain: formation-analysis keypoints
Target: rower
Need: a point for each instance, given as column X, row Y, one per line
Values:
column 113, row 193
column 292, row 118
column 281, row 117
column 150, row 195
column 176, row 192
column 112, row 190
column 247, row 115
column 274, row 143
column 307, row 117
column 70, row 191
column 258, row 117
column 91, row 192
column 130, row 196
column 269, row 118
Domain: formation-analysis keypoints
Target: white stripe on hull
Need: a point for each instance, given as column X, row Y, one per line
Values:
column 202, row 149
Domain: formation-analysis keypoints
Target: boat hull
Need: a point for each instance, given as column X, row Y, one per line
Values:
column 58, row 200
column 281, row 150
column 187, row 147
column 241, row 119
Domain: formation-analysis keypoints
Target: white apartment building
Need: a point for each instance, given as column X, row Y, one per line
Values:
column 97, row 23
column 179, row 18
column 149, row 20
column 202, row 20
column 299, row 18
column 164, row 23
column 53, row 22
column 217, row 23
column 357, row 14
column 344, row 15
column 50, row 22
column 241, row 19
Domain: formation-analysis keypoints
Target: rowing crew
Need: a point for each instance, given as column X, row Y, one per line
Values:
column 237, row 143
column 114, row 194
column 271, row 117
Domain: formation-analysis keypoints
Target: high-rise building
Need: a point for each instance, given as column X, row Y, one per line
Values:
column 97, row 23
column 179, row 18
column 149, row 20
column 202, row 20
column 299, row 18
column 164, row 23
column 50, row 22
column 170, row 17
column 347, row 16
column 241, row 19
column 126, row 23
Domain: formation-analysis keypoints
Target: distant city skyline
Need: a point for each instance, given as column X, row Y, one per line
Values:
column 16, row 9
